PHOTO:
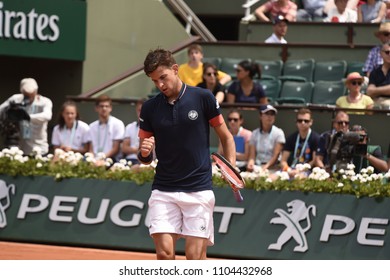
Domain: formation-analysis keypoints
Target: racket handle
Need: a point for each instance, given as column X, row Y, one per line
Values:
column 238, row 196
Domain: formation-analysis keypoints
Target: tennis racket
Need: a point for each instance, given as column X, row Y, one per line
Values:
column 230, row 174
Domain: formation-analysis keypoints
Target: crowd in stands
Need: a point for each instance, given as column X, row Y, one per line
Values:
column 266, row 147
column 369, row 11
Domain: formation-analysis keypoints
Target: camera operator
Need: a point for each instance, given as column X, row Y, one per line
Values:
column 373, row 154
column 340, row 123
column 34, row 113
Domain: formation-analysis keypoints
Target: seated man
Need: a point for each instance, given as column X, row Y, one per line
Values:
column 301, row 146
column 379, row 84
column 191, row 72
column 373, row 154
column 340, row 123
column 279, row 27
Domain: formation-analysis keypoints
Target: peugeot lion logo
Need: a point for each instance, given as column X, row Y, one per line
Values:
column 297, row 212
column 5, row 201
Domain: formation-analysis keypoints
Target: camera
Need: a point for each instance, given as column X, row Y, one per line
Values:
column 343, row 146
column 13, row 118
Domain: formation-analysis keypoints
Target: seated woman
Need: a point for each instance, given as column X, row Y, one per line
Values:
column 245, row 89
column 272, row 8
column 266, row 143
column 372, row 11
column 71, row 134
column 241, row 137
column 210, row 81
column 355, row 98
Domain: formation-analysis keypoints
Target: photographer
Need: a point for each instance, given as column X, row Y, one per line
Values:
column 32, row 112
column 340, row 123
column 373, row 156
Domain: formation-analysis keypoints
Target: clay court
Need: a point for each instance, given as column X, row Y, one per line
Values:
column 26, row 251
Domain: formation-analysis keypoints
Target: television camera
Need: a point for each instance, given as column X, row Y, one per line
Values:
column 11, row 120
column 343, row 146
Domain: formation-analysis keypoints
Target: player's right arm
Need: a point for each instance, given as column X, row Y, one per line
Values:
column 145, row 151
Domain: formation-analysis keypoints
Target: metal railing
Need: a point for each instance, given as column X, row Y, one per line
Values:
column 192, row 20
column 247, row 6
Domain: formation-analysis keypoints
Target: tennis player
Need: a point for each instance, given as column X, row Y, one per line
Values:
column 176, row 123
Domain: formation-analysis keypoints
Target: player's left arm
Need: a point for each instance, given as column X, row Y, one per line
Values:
column 227, row 142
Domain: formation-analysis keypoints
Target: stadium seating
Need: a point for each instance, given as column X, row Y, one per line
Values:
column 270, row 69
column 213, row 60
column 295, row 93
column 229, row 64
column 271, row 88
column 330, row 70
column 327, row 92
column 298, row 70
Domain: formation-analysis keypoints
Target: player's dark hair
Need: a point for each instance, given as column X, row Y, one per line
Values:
column 156, row 58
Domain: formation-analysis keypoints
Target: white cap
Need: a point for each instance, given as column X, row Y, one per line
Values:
column 28, row 85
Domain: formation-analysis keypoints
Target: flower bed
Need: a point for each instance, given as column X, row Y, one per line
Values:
column 63, row 165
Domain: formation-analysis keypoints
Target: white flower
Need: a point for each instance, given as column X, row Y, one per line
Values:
column 350, row 166
column 341, row 171
column 370, row 169
column 39, row 165
column 363, row 170
column 340, row 185
column 37, row 150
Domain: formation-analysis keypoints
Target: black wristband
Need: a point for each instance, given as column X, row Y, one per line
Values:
column 145, row 160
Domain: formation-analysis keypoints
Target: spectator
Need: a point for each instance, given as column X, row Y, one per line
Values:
column 33, row 132
column 313, row 10
column 273, row 8
column 374, row 58
column 387, row 2
column 71, row 134
column 355, row 98
column 373, row 153
column 341, row 13
column 372, row 11
column 279, row 27
column 379, row 84
column 130, row 143
column 330, row 4
column 266, row 142
column 301, row 146
column 191, row 72
column 340, row 123
column 241, row 138
column 210, row 81
column 246, row 89
column 107, row 132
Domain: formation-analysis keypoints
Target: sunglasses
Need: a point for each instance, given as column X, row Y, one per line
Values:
column 303, row 121
column 354, row 83
column 233, row 119
column 238, row 70
column 342, row 123
column 385, row 34
column 386, row 52
column 212, row 74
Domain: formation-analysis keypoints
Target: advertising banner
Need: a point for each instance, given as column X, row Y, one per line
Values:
column 266, row 225
column 43, row 29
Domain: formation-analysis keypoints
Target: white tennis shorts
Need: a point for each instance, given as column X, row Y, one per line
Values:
column 186, row 214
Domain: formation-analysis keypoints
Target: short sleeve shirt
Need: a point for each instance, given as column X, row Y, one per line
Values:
column 182, row 132
column 254, row 97
column 265, row 143
column 131, row 132
column 102, row 135
column 75, row 137
column 307, row 154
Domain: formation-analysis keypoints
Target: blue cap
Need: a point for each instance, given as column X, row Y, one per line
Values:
column 279, row 18
column 266, row 108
